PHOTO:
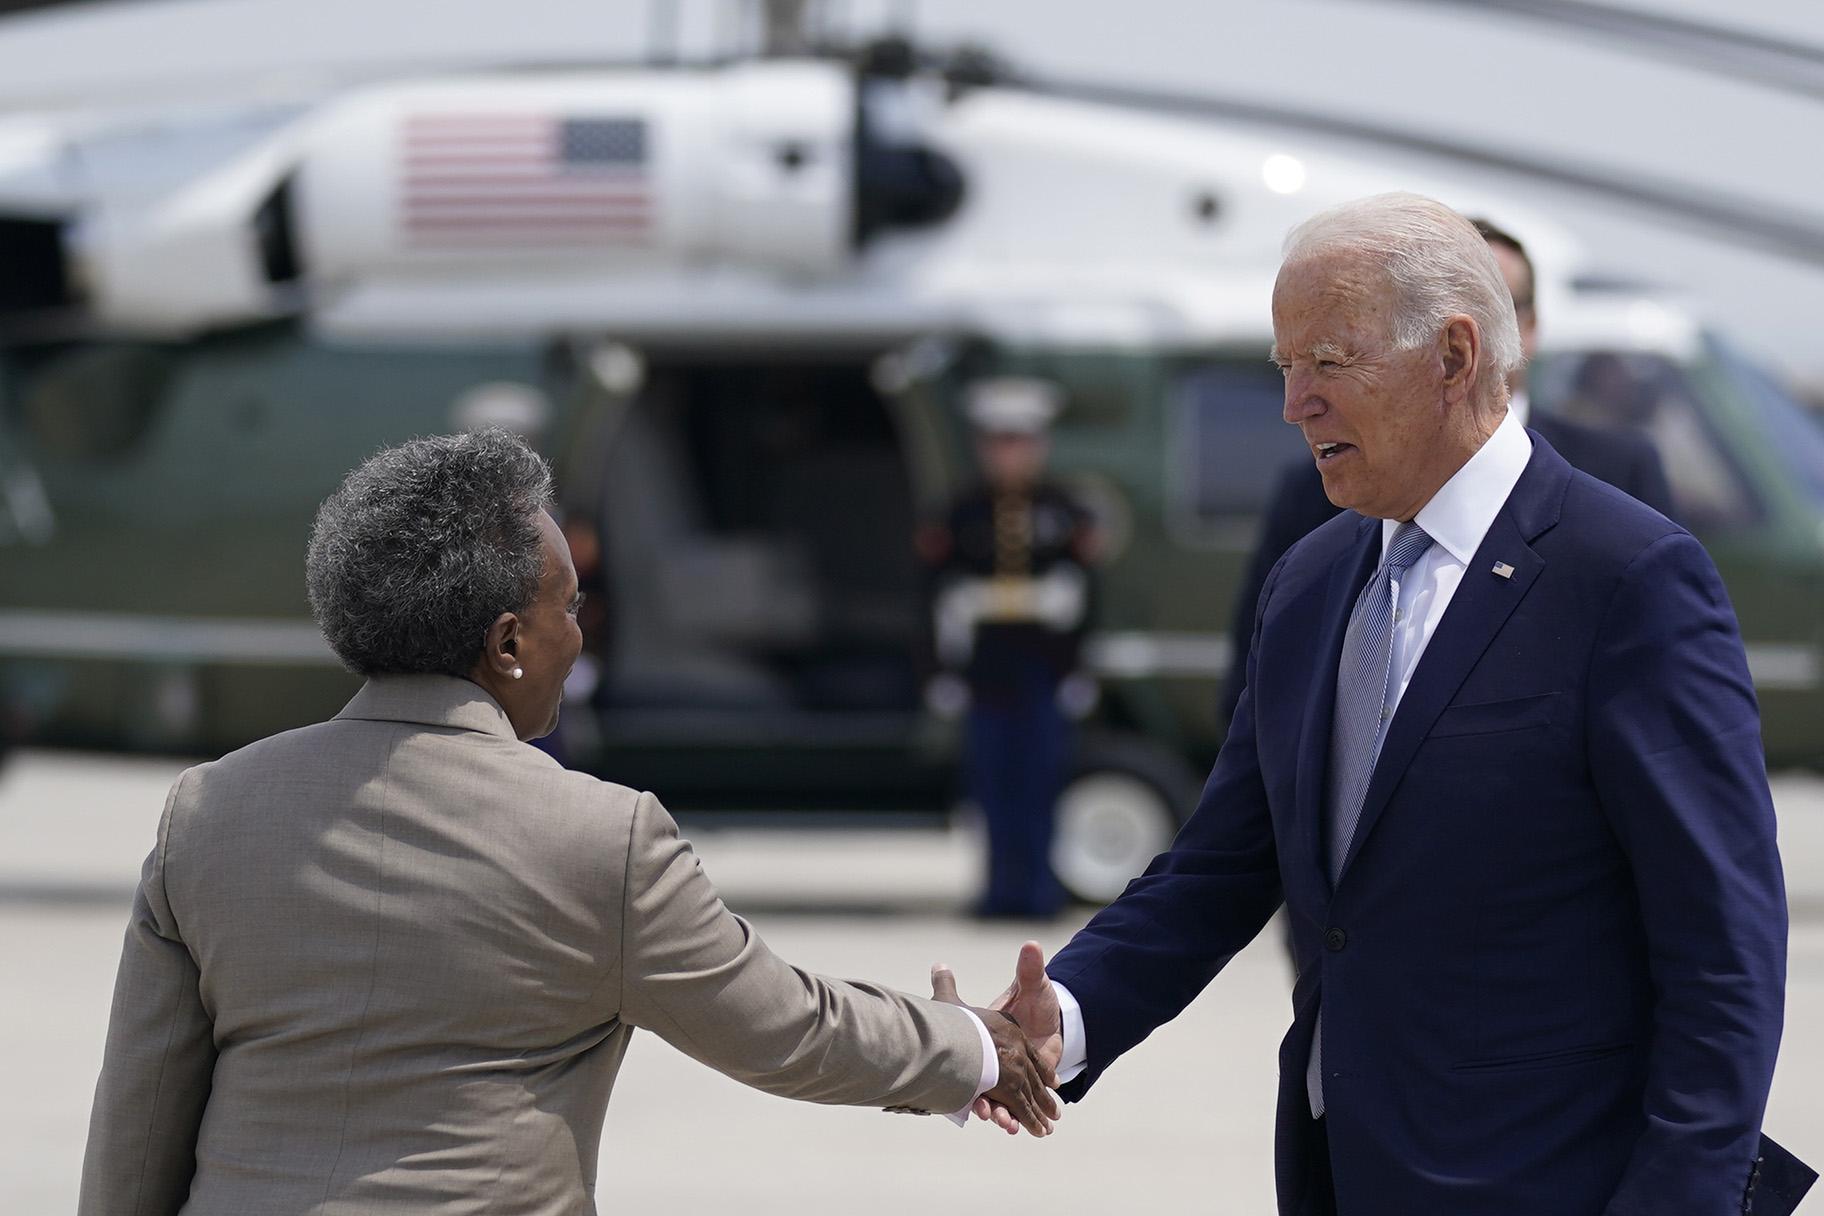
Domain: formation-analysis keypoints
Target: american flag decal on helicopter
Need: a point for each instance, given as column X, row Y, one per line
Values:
column 522, row 181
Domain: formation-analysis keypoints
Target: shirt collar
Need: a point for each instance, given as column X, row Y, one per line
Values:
column 1460, row 514
column 1521, row 407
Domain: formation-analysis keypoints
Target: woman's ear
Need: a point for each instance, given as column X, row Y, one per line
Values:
column 501, row 651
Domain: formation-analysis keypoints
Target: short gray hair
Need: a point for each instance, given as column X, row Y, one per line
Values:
column 1438, row 263
column 422, row 547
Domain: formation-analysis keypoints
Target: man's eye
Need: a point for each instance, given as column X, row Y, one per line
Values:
column 1324, row 365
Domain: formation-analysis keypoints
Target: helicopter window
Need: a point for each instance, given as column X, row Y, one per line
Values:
column 96, row 402
column 1796, row 434
column 1653, row 396
column 32, row 252
column 1229, row 440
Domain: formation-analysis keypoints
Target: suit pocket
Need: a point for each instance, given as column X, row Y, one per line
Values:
column 1496, row 717
column 1561, row 1058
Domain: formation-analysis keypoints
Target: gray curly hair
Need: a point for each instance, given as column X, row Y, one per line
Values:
column 423, row 546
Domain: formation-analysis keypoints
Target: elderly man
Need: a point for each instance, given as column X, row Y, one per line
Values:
column 1500, row 758
column 1299, row 502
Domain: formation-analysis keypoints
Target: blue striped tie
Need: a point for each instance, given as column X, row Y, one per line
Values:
column 1363, row 708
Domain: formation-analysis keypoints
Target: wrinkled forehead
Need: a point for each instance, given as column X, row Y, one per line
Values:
column 1333, row 277
column 1328, row 295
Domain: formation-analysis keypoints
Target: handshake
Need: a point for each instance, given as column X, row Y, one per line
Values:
column 1028, row 1032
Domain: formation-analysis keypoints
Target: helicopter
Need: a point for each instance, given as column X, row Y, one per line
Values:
column 737, row 305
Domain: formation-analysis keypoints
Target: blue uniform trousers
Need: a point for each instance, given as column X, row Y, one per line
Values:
column 1019, row 757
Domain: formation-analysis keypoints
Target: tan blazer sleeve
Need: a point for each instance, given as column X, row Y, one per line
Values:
column 156, row 1070
column 700, row 978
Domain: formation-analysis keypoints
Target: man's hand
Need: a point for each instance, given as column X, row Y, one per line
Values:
column 1021, row 1097
column 1031, row 1002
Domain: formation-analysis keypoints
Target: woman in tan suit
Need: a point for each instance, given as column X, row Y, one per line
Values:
column 391, row 962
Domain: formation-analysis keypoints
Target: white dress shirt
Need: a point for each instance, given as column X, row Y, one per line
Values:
column 1457, row 518
column 991, row 1070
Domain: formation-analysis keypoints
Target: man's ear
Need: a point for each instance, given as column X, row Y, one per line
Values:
column 1460, row 349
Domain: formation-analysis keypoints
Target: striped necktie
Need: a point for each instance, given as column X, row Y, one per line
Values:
column 1364, row 706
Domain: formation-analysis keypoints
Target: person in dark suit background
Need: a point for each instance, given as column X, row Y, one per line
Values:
column 1498, row 756
column 1298, row 503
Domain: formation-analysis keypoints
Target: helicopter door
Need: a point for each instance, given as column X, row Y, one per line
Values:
column 756, row 520
column 82, row 423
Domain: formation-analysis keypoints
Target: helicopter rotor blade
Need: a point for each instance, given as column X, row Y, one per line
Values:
column 1720, row 215
column 1778, row 63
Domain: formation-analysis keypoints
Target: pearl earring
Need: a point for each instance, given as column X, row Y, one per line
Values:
column 519, row 673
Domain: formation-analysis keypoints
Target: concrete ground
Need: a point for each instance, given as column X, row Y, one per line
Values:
column 1182, row 1124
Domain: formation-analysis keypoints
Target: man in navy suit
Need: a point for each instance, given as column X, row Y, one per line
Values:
column 1500, row 758
column 1298, row 503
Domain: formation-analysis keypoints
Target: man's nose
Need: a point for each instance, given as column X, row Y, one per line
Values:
column 1301, row 402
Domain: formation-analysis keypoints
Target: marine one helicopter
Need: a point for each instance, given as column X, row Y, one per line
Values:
column 737, row 304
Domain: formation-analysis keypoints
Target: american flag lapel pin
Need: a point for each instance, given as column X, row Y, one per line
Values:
column 1504, row 570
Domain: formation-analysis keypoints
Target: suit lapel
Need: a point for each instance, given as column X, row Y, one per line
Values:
column 1481, row 606
column 1347, row 578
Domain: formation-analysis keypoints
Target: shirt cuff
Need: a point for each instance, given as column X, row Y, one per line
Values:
column 991, row 1070
column 1076, row 1046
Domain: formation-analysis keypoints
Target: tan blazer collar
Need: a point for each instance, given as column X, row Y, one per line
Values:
column 448, row 701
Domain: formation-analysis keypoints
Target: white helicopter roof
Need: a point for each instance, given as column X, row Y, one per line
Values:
column 1082, row 224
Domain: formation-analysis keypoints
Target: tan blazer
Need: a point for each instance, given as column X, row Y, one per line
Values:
column 391, row 962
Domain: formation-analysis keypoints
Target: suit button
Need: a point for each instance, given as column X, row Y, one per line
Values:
column 1335, row 940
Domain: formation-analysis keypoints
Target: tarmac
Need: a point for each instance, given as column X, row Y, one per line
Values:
column 1183, row 1123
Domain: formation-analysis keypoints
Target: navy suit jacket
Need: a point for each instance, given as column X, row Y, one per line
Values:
column 1298, row 505
column 1553, row 970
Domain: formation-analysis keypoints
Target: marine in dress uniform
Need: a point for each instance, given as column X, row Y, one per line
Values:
column 1010, row 597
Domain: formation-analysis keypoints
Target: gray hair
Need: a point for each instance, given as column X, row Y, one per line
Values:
column 422, row 547
column 1439, row 265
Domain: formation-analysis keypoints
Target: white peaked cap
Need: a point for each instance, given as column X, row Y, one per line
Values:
column 1013, row 405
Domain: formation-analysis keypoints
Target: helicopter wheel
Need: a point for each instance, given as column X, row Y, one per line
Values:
column 1119, row 811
